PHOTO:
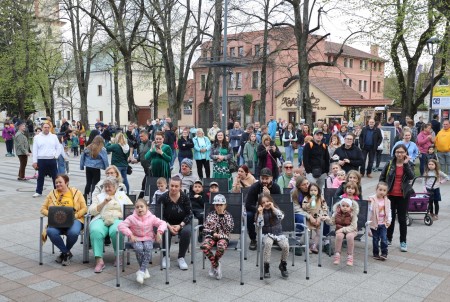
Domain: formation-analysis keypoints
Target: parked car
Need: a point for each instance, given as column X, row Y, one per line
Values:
column 39, row 120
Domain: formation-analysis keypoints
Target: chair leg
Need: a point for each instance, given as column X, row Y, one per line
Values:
column 306, row 250
column 366, row 248
column 320, row 244
column 117, row 259
column 41, row 229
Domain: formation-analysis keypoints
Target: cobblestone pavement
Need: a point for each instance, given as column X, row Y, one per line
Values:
column 421, row 274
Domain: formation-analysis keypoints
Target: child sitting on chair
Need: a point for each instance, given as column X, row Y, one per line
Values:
column 198, row 199
column 339, row 179
column 161, row 183
column 269, row 219
column 139, row 229
column 217, row 229
column 345, row 217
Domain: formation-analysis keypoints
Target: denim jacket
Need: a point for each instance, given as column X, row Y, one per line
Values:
column 101, row 162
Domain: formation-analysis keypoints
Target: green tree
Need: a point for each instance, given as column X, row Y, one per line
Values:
column 18, row 53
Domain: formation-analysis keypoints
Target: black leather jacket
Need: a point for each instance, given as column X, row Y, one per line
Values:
column 388, row 176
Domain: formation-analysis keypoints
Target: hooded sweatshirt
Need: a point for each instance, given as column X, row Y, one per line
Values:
column 443, row 141
column 141, row 227
column 120, row 154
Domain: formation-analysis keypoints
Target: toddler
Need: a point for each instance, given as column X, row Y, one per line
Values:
column 213, row 188
column 217, row 228
column 297, row 172
column 351, row 190
column 334, row 168
column 433, row 169
column 269, row 218
column 75, row 144
column 430, row 155
column 353, row 176
column 66, row 159
column 161, row 183
column 139, row 229
column 315, row 208
column 345, row 217
column 339, row 179
column 82, row 141
column 198, row 200
column 380, row 219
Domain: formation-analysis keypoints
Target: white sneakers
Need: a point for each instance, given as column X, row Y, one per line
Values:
column 182, row 264
column 36, row 195
column 219, row 271
column 147, row 274
column 164, row 264
column 212, row 271
column 140, row 277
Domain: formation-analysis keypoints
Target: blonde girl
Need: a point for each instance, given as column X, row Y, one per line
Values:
column 433, row 169
column 351, row 191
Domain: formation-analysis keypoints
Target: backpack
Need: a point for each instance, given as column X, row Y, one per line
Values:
column 323, row 145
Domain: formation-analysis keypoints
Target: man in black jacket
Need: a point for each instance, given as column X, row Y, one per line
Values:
column 264, row 185
column 349, row 156
column 143, row 148
column 316, row 160
column 244, row 139
column 369, row 141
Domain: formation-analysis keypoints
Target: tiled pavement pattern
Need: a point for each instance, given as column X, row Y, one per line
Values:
column 422, row 274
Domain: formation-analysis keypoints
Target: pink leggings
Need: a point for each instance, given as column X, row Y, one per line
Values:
column 350, row 242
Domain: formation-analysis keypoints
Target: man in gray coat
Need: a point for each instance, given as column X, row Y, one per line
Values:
column 22, row 149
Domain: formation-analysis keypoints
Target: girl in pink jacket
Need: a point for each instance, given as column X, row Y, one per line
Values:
column 139, row 229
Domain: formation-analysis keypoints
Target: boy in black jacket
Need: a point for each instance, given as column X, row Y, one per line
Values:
column 198, row 199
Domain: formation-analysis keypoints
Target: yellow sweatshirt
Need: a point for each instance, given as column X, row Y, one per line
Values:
column 443, row 141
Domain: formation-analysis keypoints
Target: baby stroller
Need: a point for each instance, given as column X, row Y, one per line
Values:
column 418, row 201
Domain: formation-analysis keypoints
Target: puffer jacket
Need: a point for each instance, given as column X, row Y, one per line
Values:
column 353, row 227
column 342, row 219
column 141, row 227
column 101, row 162
column 388, row 176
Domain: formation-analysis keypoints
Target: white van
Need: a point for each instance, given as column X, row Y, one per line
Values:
column 39, row 120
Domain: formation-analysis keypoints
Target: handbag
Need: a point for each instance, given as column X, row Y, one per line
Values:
column 129, row 170
column 316, row 172
column 250, row 164
column 294, row 145
column 232, row 166
column 61, row 217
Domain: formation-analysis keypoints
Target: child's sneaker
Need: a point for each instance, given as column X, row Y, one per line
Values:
column 383, row 257
column 350, row 260
column 147, row 274
column 212, row 271
column 337, row 259
column 314, row 249
column 140, row 277
column 403, row 247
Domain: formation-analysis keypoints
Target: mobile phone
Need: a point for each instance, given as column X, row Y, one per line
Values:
column 272, row 143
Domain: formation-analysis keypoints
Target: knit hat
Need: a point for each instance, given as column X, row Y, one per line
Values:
column 347, row 201
column 188, row 162
column 219, row 199
column 213, row 183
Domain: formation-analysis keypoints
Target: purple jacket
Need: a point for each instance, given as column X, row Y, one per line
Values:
column 8, row 133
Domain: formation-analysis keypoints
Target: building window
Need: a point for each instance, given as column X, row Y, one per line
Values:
column 350, row 82
column 100, row 115
column 68, row 115
column 257, row 50
column 351, row 63
column 345, row 81
column 59, row 91
column 346, row 62
column 255, row 79
column 203, row 82
column 187, row 107
column 232, row 52
column 365, row 86
column 238, row 80
column 100, row 90
column 204, row 53
column 230, row 81
column 379, row 87
column 330, row 59
column 241, row 51
column 374, row 86
column 60, row 115
column 363, row 64
column 360, row 89
column 68, row 91
column 379, row 67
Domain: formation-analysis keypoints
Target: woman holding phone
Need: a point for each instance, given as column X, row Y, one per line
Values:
column 160, row 156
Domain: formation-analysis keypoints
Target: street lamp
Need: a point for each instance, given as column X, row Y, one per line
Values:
column 51, row 85
column 432, row 50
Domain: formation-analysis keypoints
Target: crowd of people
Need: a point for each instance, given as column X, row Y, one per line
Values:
column 328, row 156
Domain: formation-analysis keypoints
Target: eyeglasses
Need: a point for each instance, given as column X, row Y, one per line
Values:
column 289, row 167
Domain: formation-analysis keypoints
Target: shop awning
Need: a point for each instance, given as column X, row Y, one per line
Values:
column 365, row 102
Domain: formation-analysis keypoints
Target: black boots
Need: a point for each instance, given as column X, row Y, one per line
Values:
column 266, row 270
column 283, row 269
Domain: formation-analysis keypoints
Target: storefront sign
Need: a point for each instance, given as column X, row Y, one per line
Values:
column 288, row 103
column 441, row 103
column 441, row 91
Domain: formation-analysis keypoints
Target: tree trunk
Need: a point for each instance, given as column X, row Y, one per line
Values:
column 215, row 55
column 116, row 92
column 129, row 85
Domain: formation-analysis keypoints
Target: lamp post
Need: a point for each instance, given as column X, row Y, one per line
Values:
column 432, row 50
column 51, row 85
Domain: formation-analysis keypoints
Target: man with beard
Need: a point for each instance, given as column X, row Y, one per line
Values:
column 264, row 185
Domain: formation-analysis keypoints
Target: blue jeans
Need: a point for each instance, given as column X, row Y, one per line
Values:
column 299, row 219
column 300, row 155
column 123, row 173
column 46, row 167
column 71, row 233
column 380, row 234
column 289, row 153
column 174, row 155
column 61, row 165
column 251, row 225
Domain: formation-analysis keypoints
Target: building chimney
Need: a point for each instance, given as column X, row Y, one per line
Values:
column 374, row 49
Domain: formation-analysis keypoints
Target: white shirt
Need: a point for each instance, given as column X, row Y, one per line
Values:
column 45, row 147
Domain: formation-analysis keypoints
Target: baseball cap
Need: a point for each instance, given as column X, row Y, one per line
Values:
column 219, row 199
column 213, row 183
column 265, row 172
column 318, row 131
column 198, row 181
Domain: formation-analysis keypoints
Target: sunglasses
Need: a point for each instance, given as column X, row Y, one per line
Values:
column 289, row 167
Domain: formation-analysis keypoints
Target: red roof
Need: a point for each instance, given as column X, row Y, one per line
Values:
column 365, row 102
column 334, row 88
